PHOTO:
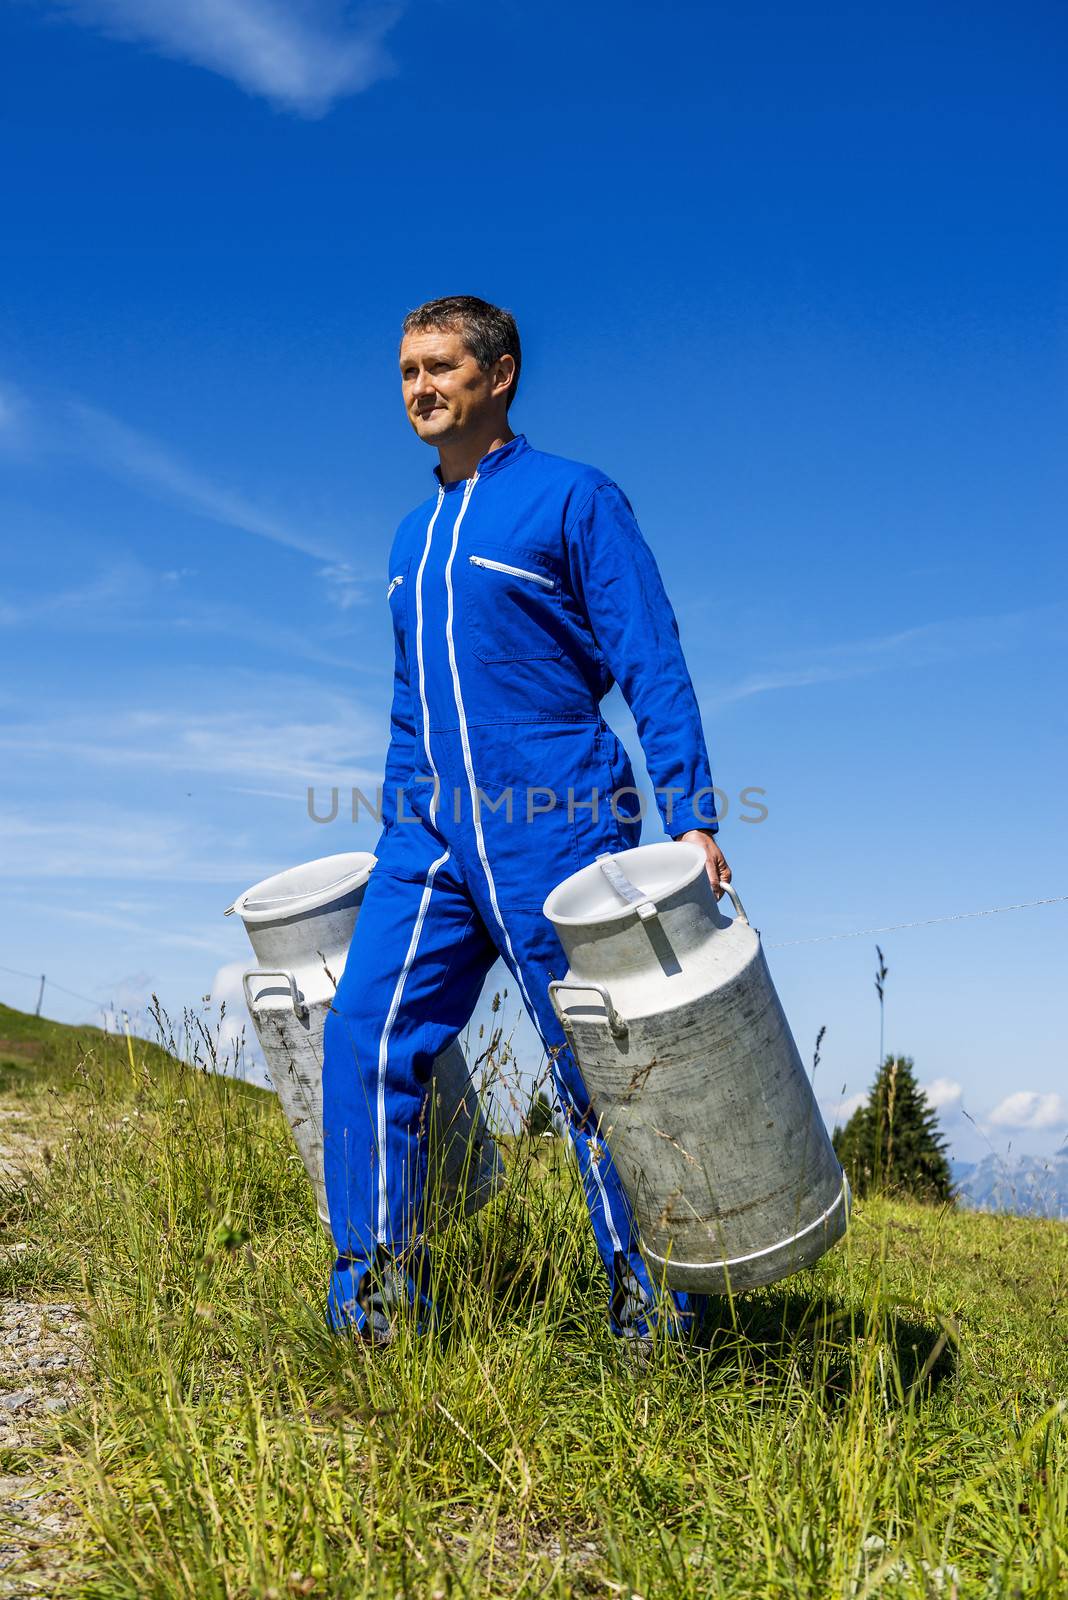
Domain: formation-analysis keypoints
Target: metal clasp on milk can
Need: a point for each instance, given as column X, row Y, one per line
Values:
column 300, row 924
column 693, row 1073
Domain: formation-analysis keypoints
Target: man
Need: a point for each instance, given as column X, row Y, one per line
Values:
column 519, row 592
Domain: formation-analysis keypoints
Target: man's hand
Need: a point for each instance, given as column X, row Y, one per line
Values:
column 718, row 871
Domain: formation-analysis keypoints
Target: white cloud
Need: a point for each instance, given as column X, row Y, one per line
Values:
column 344, row 588
column 838, row 1112
column 129, row 996
column 228, row 1042
column 234, row 1031
column 943, row 1095
column 300, row 54
column 1030, row 1110
column 227, row 987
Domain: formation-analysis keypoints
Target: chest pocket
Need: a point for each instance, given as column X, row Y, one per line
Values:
column 398, row 598
column 513, row 608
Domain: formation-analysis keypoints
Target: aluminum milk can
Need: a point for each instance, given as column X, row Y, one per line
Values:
column 300, row 923
column 693, row 1072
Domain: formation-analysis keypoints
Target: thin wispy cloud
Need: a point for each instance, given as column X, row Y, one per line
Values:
column 264, row 743
column 8, row 409
column 146, row 930
column 302, row 55
column 12, row 418
column 116, row 845
column 132, row 456
column 105, row 443
column 911, row 648
column 132, row 596
column 274, row 644
column 120, row 589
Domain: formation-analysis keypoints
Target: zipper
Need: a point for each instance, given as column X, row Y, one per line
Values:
column 515, row 572
column 465, row 741
column 419, row 653
column 393, row 582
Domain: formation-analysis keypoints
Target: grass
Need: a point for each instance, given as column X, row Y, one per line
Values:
column 35, row 1051
column 892, row 1423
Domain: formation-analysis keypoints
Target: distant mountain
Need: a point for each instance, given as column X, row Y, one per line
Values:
column 1032, row 1186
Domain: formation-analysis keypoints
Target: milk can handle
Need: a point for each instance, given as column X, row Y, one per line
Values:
column 615, row 1021
column 739, row 909
column 299, row 1006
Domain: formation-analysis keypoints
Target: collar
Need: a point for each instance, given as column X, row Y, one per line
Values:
column 494, row 462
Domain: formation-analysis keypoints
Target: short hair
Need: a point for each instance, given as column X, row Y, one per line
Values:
column 488, row 331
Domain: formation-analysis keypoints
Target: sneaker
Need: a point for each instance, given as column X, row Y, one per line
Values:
column 635, row 1314
column 383, row 1296
column 632, row 1313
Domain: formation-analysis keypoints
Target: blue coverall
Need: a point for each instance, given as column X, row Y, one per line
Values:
column 518, row 597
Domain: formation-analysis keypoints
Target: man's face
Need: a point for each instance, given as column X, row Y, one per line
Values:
column 446, row 392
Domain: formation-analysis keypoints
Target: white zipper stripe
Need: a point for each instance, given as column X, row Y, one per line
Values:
column 393, row 582
column 419, row 654
column 465, row 741
column 383, row 1047
column 479, row 838
column 593, row 1139
column 515, row 572
column 605, row 1207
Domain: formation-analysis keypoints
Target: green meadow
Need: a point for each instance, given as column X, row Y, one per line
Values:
column 891, row 1423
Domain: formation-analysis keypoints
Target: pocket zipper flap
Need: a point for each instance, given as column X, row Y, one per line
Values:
column 393, row 582
column 515, row 572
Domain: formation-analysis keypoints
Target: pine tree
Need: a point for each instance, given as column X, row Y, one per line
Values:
column 540, row 1116
column 893, row 1142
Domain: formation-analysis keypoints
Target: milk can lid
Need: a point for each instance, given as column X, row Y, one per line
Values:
column 656, row 870
column 305, row 888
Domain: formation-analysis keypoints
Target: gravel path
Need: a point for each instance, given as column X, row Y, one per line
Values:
column 42, row 1347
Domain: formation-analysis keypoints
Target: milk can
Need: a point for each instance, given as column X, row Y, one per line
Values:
column 300, row 923
column 693, row 1073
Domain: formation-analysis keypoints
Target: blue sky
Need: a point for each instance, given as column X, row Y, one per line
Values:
column 796, row 278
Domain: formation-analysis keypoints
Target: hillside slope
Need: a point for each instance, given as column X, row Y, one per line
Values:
column 892, row 1423
column 30, row 1046
column 26, row 1040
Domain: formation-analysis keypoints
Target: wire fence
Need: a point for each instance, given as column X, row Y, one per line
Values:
column 923, row 922
column 45, row 981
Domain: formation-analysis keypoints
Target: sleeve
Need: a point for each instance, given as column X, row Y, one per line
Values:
column 400, row 756
column 616, row 578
